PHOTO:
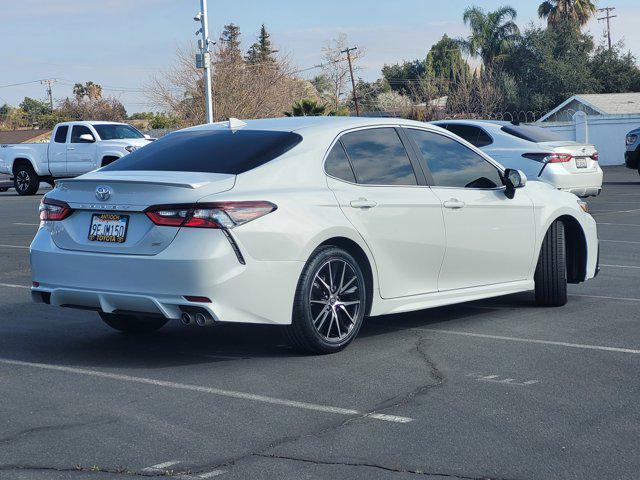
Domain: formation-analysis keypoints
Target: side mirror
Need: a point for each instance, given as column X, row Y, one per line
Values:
column 86, row 138
column 148, row 137
column 513, row 179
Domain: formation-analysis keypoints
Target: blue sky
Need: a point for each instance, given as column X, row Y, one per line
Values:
column 122, row 44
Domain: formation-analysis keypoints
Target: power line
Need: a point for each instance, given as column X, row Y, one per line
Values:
column 608, row 18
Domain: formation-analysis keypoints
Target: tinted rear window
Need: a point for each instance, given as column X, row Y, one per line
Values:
column 209, row 151
column 531, row 134
column 474, row 135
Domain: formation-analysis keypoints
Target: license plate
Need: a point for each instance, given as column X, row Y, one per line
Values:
column 581, row 162
column 108, row 227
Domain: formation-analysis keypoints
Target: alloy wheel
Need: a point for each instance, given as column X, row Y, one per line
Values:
column 335, row 300
column 23, row 180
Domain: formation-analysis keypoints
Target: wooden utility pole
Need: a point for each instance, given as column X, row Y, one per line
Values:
column 353, row 82
column 608, row 18
column 48, row 83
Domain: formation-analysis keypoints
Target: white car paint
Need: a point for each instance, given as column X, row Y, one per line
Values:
column 421, row 253
column 508, row 150
column 66, row 159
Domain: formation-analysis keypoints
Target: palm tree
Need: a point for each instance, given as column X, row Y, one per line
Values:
column 492, row 34
column 306, row 108
column 579, row 11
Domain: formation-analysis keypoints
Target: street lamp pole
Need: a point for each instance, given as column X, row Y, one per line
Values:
column 206, row 58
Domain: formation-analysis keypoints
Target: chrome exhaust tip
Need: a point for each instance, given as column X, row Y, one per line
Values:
column 186, row 318
column 203, row 320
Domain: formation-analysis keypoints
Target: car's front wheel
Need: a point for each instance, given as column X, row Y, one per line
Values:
column 133, row 323
column 330, row 302
column 551, row 271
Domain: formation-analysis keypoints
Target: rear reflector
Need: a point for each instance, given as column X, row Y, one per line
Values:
column 35, row 284
column 595, row 157
column 52, row 210
column 224, row 215
column 197, row 299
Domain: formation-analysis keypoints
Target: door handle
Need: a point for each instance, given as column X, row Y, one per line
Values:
column 71, row 148
column 454, row 204
column 363, row 203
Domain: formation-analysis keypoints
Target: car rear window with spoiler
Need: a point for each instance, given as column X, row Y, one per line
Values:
column 209, row 151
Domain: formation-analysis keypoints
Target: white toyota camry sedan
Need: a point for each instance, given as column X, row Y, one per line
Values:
column 309, row 223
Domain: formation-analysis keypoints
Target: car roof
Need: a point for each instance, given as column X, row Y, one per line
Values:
column 315, row 124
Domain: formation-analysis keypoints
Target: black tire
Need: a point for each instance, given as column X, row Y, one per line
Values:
column 25, row 180
column 133, row 323
column 306, row 335
column 3, row 189
column 551, row 271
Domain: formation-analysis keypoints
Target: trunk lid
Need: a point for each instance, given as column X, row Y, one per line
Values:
column 128, row 194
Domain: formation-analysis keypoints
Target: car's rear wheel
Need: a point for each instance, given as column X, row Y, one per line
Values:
column 133, row 323
column 25, row 180
column 330, row 302
column 551, row 271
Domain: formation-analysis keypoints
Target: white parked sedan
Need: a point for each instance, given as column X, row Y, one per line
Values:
column 310, row 223
column 538, row 152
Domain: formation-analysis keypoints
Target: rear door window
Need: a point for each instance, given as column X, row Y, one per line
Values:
column 61, row 134
column 378, row 157
column 337, row 164
column 209, row 151
column 452, row 164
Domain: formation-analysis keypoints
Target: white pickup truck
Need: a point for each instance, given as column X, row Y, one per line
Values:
column 75, row 148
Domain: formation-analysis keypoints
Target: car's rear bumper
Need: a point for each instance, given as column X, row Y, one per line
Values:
column 632, row 159
column 582, row 184
column 199, row 262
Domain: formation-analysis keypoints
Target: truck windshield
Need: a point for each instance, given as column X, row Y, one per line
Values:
column 116, row 132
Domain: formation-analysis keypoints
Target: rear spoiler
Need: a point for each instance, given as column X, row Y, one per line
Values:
column 191, row 185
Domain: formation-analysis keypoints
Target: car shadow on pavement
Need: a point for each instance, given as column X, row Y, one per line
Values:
column 77, row 338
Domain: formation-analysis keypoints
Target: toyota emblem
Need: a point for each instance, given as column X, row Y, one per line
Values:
column 103, row 193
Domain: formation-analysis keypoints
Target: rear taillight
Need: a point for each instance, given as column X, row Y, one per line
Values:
column 223, row 215
column 549, row 157
column 52, row 210
column 595, row 157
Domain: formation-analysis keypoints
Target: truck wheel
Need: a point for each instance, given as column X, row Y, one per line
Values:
column 133, row 323
column 551, row 271
column 25, row 180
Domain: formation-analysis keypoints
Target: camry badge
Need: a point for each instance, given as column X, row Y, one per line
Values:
column 103, row 193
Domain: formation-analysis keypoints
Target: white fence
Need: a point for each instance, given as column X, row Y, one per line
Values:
column 606, row 132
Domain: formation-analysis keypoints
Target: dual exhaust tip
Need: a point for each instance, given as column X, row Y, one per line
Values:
column 201, row 319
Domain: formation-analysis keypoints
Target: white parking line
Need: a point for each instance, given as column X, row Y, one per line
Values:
column 27, row 224
column 621, row 224
column 160, row 466
column 211, row 474
column 532, row 340
column 615, row 211
column 603, row 297
column 619, row 266
column 11, row 285
column 14, row 246
column 212, row 391
column 618, row 241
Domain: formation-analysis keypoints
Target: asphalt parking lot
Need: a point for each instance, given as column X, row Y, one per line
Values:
column 494, row 389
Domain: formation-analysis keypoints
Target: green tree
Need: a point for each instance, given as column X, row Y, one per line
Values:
column 261, row 52
column 35, row 108
column 578, row 11
column 408, row 77
column 493, row 34
column 306, row 108
column 229, row 43
column 445, row 60
column 550, row 65
column 91, row 90
column 615, row 71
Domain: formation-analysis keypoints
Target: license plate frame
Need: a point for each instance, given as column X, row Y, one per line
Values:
column 103, row 218
column 581, row 162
